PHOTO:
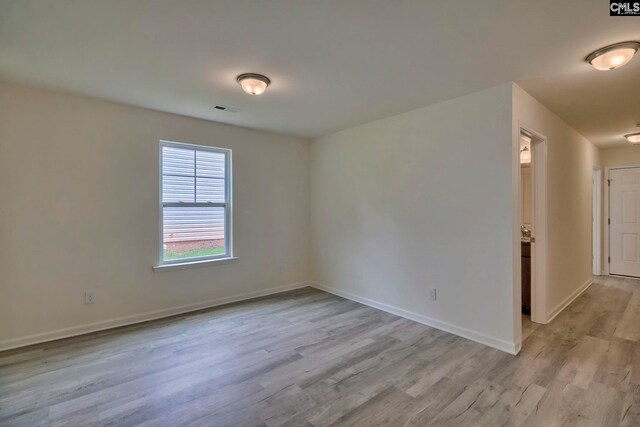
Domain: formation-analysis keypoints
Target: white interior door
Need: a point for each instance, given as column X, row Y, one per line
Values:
column 624, row 213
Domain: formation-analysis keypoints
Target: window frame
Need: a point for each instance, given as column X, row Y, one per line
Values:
column 227, row 204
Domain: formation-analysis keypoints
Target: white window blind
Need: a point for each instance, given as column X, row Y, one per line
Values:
column 195, row 202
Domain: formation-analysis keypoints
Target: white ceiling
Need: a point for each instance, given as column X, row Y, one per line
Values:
column 333, row 63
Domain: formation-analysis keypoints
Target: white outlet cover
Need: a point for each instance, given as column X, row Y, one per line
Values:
column 89, row 297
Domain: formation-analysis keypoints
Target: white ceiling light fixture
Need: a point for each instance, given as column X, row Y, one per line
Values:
column 633, row 138
column 613, row 56
column 252, row 83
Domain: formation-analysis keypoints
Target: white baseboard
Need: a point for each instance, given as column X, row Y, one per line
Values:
column 172, row 311
column 138, row 318
column 564, row 304
column 481, row 338
column 623, row 277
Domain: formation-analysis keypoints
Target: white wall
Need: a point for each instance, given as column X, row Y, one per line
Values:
column 570, row 162
column 621, row 156
column 423, row 200
column 79, row 210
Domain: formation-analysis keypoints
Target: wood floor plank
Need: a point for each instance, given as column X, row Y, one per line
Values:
column 631, row 408
column 583, row 362
column 387, row 408
column 615, row 369
column 628, row 328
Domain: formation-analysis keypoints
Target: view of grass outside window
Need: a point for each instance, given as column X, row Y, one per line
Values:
column 195, row 202
column 196, row 248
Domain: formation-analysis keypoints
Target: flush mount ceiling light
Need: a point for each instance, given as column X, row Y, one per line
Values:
column 253, row 84
column 633, row 138
column 613, row 56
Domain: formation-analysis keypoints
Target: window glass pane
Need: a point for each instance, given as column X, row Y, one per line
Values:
column 209, row 190
column 178, row 161
column 177, row 189
column 210, row 164
column 193, row 232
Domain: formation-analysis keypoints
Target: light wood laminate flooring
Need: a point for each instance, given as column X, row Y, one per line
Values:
column 308, row 358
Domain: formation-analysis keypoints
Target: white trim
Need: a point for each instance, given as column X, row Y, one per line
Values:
column 228, row 216
column 191, row 264
column 558, row 309
column 607, row 210
column 472, row 335
column 625, row 277
column 497, row 343
column 596, row 222
column 144, row 317
column 605, row 225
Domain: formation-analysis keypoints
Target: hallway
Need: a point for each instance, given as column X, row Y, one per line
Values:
column 587, row 359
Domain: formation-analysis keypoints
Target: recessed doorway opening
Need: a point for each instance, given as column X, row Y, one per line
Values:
column 532, row 217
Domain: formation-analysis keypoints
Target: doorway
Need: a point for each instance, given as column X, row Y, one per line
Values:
column 532, row 227
column 527, row 237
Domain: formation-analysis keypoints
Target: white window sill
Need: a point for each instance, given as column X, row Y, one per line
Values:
column 191, row 264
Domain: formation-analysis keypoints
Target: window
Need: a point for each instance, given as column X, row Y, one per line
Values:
column 195, row 211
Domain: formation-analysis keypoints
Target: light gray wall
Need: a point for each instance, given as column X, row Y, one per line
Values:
column 79, row 210
column 621, row 156
column 423, row 200
column 611, row 157
column 386, row 210
column 571, row 159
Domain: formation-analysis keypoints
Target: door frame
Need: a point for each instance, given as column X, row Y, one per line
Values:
column 607, row 211
column 539, row 247
column 596, row 222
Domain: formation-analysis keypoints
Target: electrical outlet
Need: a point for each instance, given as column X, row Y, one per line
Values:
column 90, row 297
column 432, row 294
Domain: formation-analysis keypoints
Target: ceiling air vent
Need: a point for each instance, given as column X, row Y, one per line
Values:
column 225, row 108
